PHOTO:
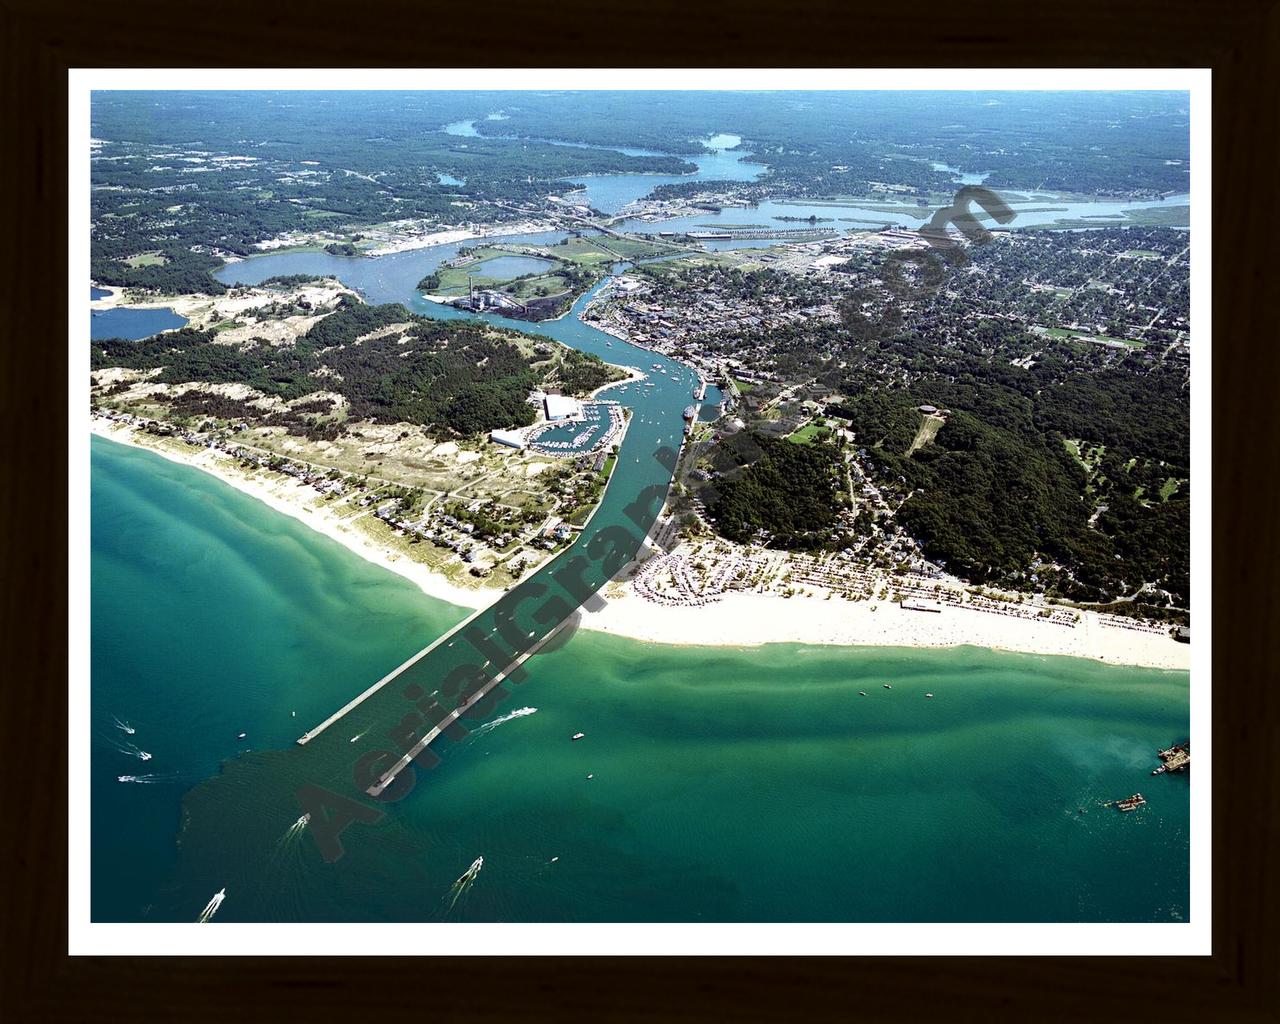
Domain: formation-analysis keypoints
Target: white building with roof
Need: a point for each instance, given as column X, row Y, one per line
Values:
column 511, row 438
column 562, row 407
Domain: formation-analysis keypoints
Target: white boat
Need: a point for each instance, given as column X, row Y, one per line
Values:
column 241, row 736
column 578, row 735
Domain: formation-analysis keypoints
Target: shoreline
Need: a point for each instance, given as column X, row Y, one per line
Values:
column 294, row 499
column 744, row 619
column 738, row 619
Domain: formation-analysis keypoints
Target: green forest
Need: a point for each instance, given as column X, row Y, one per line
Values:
column 787, row 497
column 998, row 496
column 454, row 377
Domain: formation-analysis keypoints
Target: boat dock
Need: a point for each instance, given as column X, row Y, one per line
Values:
column 781, row 234
column 1129, row 803
column 1176, row 759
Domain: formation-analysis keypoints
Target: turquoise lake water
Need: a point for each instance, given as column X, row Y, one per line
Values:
column 729, row 784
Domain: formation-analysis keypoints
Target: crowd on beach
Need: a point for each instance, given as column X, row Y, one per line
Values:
column 700, row 572
column 669, row 579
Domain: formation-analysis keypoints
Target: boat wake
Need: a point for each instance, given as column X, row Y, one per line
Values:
column 123, row 726
column 490, row 726
column 151, row 779
column 131, row 749
column 294, row 830
column 206, row 915
column 463, row 885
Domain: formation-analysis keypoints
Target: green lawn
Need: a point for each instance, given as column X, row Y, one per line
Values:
column 1089, row 455
column 147, row 259
column 809, row 433
column 1062, row 332
column 1151, row 216
column 929, row 427
column 540, row 287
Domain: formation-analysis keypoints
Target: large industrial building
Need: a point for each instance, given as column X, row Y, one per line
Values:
column 511, row 438
column 562, row 407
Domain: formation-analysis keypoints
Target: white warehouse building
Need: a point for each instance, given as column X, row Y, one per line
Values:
column 562, row 407
column 511, row 438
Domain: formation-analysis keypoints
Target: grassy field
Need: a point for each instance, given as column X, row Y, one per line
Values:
column 929, row 427
column 589, row 252
column 1062, row 332
column 1089, row 455
column 147, row 259
column 1152, row 216
column 539, row 287
column 809, row 433
column 583, row 251
column 453, row 280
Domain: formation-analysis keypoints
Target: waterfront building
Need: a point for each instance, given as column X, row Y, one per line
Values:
column 562, row 407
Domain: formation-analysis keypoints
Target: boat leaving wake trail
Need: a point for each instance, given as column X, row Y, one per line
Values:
column 490, row 726
column 150, row 779
column 206, row 915
column 132, row 750
column 463, row 884
column 123, row 726
column 294, row 829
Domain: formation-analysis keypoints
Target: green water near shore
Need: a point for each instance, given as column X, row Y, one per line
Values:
column 728, row 784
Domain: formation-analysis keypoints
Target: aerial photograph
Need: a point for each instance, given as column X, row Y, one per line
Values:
column 618, row 506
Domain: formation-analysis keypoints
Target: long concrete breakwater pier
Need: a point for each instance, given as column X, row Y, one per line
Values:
column 389, row 776
column 399, row 670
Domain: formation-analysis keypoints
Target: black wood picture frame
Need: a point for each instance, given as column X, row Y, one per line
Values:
column 41, row 39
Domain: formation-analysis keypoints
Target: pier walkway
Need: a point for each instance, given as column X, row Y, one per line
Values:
column 389, row 776
column 397, row 671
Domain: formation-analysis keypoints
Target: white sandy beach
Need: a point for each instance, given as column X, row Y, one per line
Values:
column 296, row 499
column 409, row 241
column 749, row 619
column 738, row 619
column 426, row 241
